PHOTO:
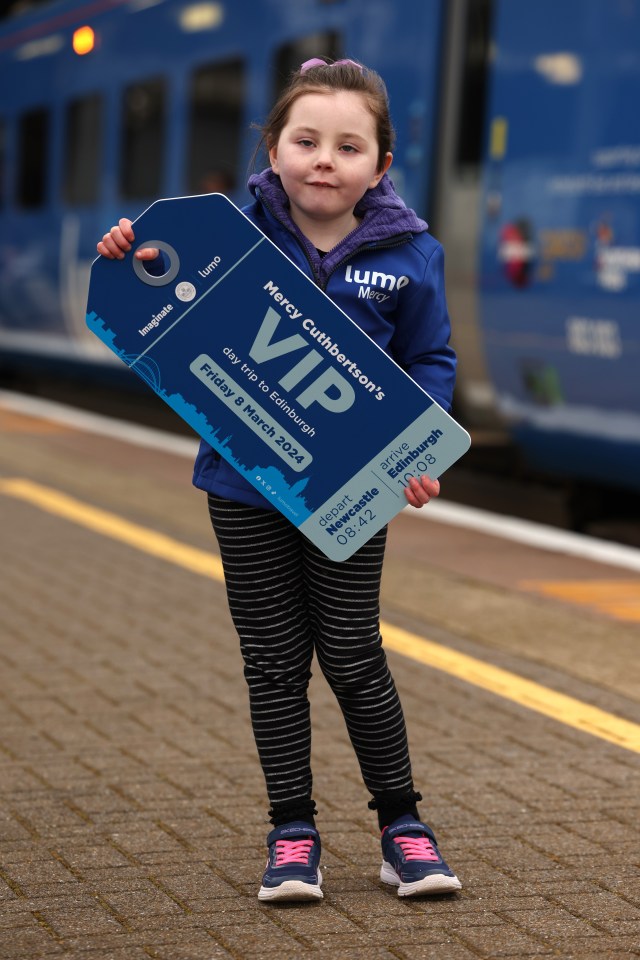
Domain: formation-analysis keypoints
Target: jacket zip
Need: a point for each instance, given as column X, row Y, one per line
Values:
column 396, row 241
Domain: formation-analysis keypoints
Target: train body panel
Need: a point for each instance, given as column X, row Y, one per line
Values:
column 137, row 105
column 560, row 237
column 541, row 227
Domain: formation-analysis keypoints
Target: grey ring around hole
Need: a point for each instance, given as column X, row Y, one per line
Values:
column 174, row 266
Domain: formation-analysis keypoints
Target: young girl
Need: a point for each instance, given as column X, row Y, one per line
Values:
column 327, row 202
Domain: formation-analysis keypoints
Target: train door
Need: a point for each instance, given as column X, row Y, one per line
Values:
column 456, row 192
column 28, row 262
column 561, row 234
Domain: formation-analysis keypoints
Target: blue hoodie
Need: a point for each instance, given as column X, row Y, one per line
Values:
column 388, row 277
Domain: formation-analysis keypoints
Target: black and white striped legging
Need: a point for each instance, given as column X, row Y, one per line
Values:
column 287, row 599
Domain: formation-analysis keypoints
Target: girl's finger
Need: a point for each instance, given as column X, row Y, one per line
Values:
column 109, row 248
column 126, row 228
column 432, row 487
column 119, row 238
column 147, row 253
column 415, row 493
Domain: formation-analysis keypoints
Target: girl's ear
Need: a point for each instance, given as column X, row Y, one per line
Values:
column 388, row 160
column 273, row 158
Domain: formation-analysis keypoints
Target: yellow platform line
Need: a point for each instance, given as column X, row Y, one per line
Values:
column 511, row 686
column 558, row 706
column 111, row 525
column 617, row 598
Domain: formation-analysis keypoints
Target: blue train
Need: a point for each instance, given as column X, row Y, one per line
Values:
column 518, row 140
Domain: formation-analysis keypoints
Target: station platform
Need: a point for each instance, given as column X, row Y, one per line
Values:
column 133, row 815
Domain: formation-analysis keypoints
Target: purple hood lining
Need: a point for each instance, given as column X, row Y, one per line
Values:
column 383, row 216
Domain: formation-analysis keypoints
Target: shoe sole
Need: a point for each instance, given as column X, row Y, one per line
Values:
column 293, row 890
column 431, row 885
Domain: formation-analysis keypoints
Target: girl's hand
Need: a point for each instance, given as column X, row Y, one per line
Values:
column 118, row 241
column 419, row 492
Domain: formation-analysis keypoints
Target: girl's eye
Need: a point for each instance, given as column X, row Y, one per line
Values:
column 348, row 148
column 305, row 143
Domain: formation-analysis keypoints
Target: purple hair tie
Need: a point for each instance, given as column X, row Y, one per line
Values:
column 317, row 62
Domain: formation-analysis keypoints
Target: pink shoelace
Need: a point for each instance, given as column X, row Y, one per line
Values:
column 292, row 851
column 417, row 848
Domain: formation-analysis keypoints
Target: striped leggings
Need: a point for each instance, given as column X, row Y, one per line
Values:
column 287, row 600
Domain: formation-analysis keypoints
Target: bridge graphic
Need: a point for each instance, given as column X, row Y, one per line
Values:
column 146, row 368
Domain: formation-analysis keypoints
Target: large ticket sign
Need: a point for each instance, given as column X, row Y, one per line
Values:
column 270, row 372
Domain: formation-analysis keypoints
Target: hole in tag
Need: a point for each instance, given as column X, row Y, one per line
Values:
column 158, row 267
column 163, row 269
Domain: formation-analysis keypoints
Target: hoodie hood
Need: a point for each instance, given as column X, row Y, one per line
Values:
column 382, row 213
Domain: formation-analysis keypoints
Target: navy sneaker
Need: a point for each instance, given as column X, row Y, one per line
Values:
column 412, row 862
column 293, row 867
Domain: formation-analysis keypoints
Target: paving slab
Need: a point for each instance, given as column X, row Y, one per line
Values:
column 132, row 809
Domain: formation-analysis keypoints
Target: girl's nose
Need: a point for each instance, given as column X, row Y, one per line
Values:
column 324, row 158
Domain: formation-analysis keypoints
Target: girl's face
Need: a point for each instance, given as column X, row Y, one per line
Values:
column 327, row 156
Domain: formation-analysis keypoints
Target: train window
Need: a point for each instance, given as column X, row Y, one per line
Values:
column 291, row 55
column 33, row 148
column 142, row 157
column 216, row 123
column 473, row 92
column 82, row 148
column 15, row 8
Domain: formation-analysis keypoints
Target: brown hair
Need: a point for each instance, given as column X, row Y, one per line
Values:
column 331, row 78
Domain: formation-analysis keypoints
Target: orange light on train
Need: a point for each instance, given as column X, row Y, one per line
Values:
column 84, row 40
